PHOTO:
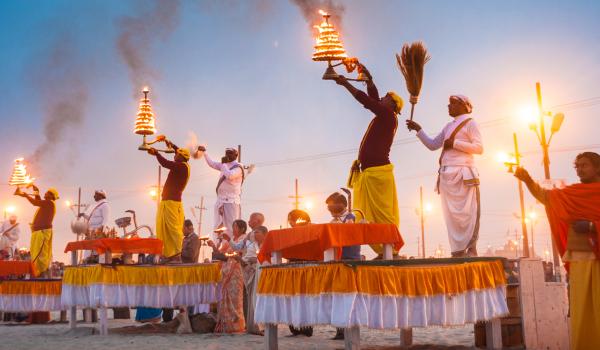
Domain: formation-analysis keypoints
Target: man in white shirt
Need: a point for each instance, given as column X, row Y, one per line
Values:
column 9, row 235
column 229, row 187
column 99, row 214
column 458, row 179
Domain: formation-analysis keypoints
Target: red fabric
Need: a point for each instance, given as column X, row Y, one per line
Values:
column 118, row 245
column 575, row 202
column 309, row 242
column 9, row 267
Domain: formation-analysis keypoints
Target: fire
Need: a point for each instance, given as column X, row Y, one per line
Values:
column 144, row 123
column 328, row 44
column 300, row 221
column 19, row 176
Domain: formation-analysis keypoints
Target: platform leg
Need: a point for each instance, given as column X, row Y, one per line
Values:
column 87, row 315
column 103, row 320
column 73, row 309
column 493, row 334
column 352, row 338
column 406, row 337
column 388, row 252
column 271, row 337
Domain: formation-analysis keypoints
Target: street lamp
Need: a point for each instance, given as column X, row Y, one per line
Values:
column 540, row 130
column 9, row 210
column 532, row 218
column 423, row 208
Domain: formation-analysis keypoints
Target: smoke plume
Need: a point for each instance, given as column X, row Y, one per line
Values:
column 310, row 11
column 155, row 20
column 60, row 76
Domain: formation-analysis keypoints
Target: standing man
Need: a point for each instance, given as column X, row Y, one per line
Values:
column 99, row 214
column 574, row 216
column 191, row 244
column 229, row 188
column 41, row 228
column 9, row 235
column 458, row 179
column 170, row 216
column 372, row 175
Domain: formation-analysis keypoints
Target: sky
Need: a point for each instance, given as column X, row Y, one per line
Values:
column 240, row 73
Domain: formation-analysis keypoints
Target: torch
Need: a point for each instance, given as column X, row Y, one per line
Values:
column 329, row 48
column 19, row 176
column 145, row 125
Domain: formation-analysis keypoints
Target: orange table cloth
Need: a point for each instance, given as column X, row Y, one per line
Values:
column 310, row 242
column 118, row 245
column 11, row 267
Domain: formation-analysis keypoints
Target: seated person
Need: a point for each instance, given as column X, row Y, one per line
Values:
column 337, row 204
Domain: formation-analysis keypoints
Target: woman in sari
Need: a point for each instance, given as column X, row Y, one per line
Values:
column 230, row 308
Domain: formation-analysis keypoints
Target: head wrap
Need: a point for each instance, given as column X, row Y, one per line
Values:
column 184, row 152
column 465, row 102
column 101, row 192
column 232, row 150
column 399, row 101
column 54, row 192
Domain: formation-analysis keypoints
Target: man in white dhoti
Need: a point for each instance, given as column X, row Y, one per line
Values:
column 229, row 188
column 9, row 235
column 458, row 179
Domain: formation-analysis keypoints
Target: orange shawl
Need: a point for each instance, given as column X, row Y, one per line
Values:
column 575, row 202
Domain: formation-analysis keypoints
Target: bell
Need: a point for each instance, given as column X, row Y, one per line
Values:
column 330, row 73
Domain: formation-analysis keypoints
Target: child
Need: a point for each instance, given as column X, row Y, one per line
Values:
column 337, row 204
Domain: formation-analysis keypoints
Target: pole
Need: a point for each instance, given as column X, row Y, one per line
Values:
column 422, row 223
column 521, row 201
column 544, row 143
column 532, row 244
column 297, row 202
column 158, row 189
column 201, row 209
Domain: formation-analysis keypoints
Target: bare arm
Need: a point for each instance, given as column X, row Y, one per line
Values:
column 536, row 190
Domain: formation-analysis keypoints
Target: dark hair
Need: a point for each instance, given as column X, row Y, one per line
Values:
column 337, row 197
column 296, row 214
column 593, row 157
column 188, row 223
column 241, row 224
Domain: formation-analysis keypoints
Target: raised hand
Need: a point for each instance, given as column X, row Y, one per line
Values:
column 413, row 125
column 152, row 151
column 522, row 174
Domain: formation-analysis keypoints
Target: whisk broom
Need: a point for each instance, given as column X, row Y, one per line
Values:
column 411, row 63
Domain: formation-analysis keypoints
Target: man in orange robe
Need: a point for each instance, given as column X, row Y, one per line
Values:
column 574, row 216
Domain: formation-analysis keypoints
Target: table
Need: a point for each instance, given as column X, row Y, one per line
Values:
column 118, row 245
column 16, row 267
column 323, row 241
column 158, row 286
column 397, row 294
column 30, row 295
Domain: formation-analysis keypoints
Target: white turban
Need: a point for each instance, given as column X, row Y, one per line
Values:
column 465, row 101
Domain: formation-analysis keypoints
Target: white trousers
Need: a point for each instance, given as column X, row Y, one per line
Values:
column 226, row 213
column 459, row 191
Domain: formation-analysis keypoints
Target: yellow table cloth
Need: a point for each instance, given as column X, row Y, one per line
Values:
column 140, row 285
column 383, row 295
column 30, row 295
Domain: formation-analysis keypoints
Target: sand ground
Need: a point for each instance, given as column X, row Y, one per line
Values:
column 59, row 336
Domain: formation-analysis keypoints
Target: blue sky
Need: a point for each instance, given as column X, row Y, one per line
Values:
column 239, row 72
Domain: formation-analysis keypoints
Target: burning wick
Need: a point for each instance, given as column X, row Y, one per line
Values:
column 323, row 13
column 300, row 221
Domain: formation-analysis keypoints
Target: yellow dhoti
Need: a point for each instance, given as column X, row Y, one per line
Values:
column 584, row 297
column 41, row 250
column 169, row 226
column 375, row 195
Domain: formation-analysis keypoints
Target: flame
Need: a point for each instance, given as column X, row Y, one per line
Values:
column 19, row 175
column 144, row 123
column 146, row 89
column 328, row 46
column 300, row 221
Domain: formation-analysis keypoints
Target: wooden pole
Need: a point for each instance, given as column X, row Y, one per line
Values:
column 544, row 143
column 521, row 201
column 201, row 209
column 296, row 195
column 422, row 223
column 158, row 187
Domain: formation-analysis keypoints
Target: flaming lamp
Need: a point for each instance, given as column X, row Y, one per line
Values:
column 19, row 176
column 330, row 48
column 144, row 124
